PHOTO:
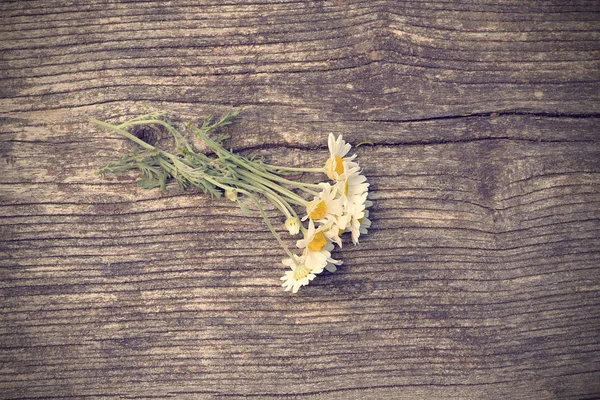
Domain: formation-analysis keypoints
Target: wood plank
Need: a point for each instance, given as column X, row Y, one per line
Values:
column 478, row 280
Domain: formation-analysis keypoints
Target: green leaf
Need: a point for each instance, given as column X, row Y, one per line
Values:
column 149, row 182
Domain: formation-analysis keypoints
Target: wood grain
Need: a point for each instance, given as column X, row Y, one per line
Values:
column 478, row 280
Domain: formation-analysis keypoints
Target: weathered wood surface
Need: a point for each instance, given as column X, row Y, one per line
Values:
column 480, row 277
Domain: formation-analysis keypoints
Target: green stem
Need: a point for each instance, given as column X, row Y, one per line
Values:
column 266, row 219
column 178, row 136
column 288, row 193
column 262, row 211
column 289, row 211
column 276, row 178
column 282, row 206
column 125, row 133
column 222, row 153
column 295, row 169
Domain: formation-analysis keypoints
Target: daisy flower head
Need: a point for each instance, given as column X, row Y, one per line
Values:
column 334, row 228
column 317, row 248
column 351, row 182
column 299, row 276
column 325, row 205
column 338, row 148
column 356, row 208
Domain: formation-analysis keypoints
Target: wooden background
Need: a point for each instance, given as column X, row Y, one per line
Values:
column 479, row 279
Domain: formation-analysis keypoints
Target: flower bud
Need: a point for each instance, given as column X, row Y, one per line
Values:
column 231, row 195
column 292, row 224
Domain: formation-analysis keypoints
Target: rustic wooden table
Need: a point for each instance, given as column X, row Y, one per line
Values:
column 479, row 279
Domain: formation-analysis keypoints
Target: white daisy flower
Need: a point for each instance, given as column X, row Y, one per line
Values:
column 356, row 208
column 325, row 205
column 338, row 148
column 300, row 275
column 351, row 182
column 334, row 227
column 317, row 249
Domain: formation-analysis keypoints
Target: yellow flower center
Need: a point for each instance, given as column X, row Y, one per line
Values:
column 301, row 272
column 318, row 211
column 319, row 241
column 339, row 165
column 334, row 167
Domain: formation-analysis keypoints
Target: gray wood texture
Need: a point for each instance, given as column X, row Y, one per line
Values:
column 479, row 279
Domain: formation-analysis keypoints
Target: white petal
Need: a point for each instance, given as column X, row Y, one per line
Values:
column 331, row 142
column 331, row 267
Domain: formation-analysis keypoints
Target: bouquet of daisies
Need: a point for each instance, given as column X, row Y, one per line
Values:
column 330, row 208
column 340, row 206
